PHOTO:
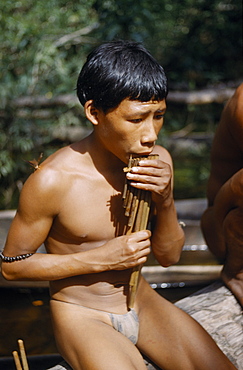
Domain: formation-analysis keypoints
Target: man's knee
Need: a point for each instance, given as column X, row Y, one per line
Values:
column 206, row 219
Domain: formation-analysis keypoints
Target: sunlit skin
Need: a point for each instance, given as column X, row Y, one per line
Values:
column 73, row 204
column 222, row 221
column 134, row 125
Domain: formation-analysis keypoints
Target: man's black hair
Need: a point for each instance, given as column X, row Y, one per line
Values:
column 118, row 70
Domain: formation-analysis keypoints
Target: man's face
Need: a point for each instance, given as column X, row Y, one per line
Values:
column 132, row 127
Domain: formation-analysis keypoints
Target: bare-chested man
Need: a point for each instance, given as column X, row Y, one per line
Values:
column 73, row 204
column 222, row 222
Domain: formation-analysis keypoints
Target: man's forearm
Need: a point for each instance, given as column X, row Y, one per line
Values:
column 168, row 237
column 47, row 267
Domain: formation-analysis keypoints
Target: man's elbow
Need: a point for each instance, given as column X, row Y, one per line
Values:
column 8, row 275
column 171, row 256
column 167, row 261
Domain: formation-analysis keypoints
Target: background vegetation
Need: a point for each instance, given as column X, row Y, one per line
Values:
column 44, row 44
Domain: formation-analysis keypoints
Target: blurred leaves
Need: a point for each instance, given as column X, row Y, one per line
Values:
column 197, row 41
column 44, row 45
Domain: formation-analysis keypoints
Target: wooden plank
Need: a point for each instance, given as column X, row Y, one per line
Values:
column 64, row 366
column 22, row 284
column 217, row 310
column 157, row 276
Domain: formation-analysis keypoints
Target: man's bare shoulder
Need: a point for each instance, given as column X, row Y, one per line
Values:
column 164, row 155
column 50, row 170
column 60, row 163
column 52, row 178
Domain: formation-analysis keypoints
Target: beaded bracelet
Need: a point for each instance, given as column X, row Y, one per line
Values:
column 16, row 258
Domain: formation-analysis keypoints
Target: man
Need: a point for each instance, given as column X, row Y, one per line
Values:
column 73, row 204
column 223, row 219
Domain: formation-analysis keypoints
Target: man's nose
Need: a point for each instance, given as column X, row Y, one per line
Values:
column 149, row 134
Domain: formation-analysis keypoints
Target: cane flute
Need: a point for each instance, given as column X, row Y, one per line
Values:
column 136, row 203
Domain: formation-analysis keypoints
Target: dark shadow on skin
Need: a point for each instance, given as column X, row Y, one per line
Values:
column 107, row 277
column 112, row 179
column 115, row 202
column 116, row 208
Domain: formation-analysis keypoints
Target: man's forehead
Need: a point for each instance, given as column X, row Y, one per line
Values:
column 137, row 104
column 155, row 102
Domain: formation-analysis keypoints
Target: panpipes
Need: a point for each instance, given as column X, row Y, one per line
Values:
column 136, row 203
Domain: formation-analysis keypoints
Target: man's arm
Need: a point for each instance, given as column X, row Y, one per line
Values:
column 38, row 206
column 168, row 237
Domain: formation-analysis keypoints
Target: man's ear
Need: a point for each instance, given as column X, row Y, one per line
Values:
column 91, row 112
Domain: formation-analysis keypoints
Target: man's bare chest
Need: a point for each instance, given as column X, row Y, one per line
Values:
column 90, row 212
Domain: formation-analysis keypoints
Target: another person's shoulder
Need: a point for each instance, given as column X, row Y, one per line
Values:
column 239, row 92
column 230, row 128
column 234, row 117
column 235, row 104
column 239, row 103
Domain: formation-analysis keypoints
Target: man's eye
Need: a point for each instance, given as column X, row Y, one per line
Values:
column 138, row 120
column 159, row 116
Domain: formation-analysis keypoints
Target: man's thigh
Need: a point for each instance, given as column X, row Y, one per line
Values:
column 86, row 340
column 173, row 339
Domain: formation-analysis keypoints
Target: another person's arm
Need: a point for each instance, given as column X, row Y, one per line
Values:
column 229, row 196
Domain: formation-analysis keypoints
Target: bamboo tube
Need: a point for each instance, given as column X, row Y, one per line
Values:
column 23, row 355
column 17, row 360
column 137, row 204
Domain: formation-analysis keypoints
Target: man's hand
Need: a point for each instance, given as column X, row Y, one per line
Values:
column 153, row 175
column 127, row 251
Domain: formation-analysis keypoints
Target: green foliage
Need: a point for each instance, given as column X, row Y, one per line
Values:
column 36, row 58
column 197, row 41
column 45, row 43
